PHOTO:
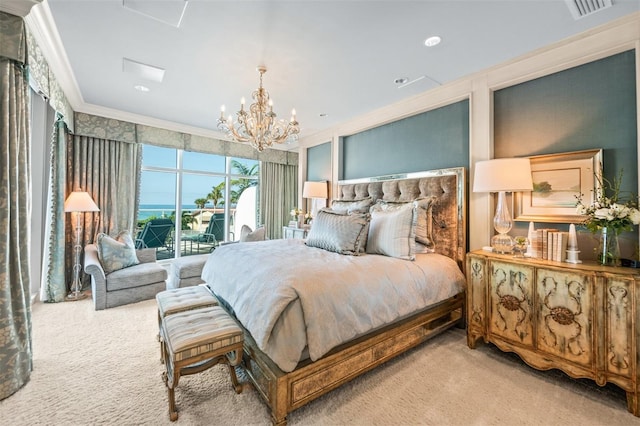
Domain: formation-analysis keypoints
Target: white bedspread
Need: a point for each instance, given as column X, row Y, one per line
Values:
column 289, row 296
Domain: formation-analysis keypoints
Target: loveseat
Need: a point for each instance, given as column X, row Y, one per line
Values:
column 128, row 285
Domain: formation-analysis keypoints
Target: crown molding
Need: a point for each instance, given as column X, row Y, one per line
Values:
column 18, row 7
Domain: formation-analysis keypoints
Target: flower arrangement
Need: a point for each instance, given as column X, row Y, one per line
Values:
column 609, row 210
column 296, row 213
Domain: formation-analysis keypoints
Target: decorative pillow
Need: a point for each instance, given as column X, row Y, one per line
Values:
column 352, row 206
column 339, row 233
column 391, row 231
column 116, row 253
column 424, row 225
column 247, row 235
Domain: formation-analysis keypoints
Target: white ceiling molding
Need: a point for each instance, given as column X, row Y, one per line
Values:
column 18, row 7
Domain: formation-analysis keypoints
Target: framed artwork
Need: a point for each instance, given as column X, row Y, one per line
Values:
column 558, row 179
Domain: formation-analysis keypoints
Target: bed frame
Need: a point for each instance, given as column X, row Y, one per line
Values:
column 285, row 392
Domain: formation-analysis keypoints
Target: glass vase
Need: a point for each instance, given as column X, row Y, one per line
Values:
column 609, row 248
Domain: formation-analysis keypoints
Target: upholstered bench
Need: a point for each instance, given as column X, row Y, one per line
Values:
column 186, row 271
column 196, row 340
column 179, row 300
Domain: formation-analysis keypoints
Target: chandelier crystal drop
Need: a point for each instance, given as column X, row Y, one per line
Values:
column 259, row 126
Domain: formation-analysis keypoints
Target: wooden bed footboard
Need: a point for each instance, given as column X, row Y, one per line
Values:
column 285, row 392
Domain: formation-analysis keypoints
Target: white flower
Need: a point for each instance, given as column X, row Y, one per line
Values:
column 581, row 210
column 634, row 215
column 602, row 214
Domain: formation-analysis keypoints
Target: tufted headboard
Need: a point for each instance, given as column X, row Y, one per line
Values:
column 449, row 209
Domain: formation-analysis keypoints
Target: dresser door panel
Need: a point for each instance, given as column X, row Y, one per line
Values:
column 566, row 315
column 511, row 302
column 619, row 331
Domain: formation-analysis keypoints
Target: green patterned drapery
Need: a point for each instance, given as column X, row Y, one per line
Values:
column 54, row 286
column 278, row 195
column 15, row 208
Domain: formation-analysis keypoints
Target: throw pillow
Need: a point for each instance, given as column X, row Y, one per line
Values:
column 338, row 233
column 116, row 253
column 247, row 235
column 391, row 231
column 352, row 206
column 424, row 225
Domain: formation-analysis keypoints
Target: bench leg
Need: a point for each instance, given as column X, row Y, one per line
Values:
column 234, row 379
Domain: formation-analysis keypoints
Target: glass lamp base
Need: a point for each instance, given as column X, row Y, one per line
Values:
column 73, row 296
column 502, row 243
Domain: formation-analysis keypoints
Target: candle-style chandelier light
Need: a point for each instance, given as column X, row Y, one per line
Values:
column 259, row 126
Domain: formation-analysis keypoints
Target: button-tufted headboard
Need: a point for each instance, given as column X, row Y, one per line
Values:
column 449, row 209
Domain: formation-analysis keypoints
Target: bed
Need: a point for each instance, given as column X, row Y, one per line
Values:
column 316, row 316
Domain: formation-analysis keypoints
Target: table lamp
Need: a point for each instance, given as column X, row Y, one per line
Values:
column 502, row 175
column 318, row 193
column 78, row 202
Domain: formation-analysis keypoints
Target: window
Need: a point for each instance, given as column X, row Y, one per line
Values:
column 203, row 190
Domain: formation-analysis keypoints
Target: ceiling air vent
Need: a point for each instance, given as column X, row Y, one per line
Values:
column 582, row 8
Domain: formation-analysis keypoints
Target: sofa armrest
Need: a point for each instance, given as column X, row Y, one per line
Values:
column 146, row 255
column 92, row 264
column 93, row 267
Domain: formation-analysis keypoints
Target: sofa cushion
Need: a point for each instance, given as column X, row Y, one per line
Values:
column 136, row 276
column 116, row 253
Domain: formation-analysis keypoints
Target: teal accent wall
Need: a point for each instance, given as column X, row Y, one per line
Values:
column 432, row 140
column 319, row 162
column 585, row 107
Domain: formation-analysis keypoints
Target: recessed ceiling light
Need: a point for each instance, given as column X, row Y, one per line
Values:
column 401, row 80
column 141, row 88
column 323, row 114
column 432, row 41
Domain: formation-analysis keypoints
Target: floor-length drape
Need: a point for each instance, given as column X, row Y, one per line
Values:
column 110, row 172
column 54, row 282
column 15, row 209
column 278, row 195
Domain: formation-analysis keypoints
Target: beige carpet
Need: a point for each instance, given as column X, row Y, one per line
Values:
column 103, row 368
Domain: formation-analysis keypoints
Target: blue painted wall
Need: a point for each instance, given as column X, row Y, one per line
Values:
column 319, row 162
column 432, row 140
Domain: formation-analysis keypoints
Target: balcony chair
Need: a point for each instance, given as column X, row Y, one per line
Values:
column 155, row 234
column 211, row 237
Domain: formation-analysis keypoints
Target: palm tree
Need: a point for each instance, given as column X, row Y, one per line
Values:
column 241, row 184
column 216, row 195
column 200, row 202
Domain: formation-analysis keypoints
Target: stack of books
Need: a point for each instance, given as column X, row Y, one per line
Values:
column 549, row 244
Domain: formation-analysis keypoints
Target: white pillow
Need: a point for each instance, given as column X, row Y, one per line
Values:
column 391, row 230
column 247, row 235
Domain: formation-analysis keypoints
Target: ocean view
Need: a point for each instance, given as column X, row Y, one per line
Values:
column 160, row 210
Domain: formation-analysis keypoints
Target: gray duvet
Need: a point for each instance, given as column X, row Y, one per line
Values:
column 295, row 299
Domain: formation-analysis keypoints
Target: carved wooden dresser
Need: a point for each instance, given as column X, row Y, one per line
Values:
column 580, row 318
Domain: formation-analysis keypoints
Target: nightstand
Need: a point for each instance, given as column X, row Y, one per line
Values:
column 291, row 232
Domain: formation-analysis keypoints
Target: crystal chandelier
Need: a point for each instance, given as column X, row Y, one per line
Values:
column 259, row 125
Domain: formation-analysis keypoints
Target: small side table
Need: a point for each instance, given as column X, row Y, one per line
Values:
column 291, row 232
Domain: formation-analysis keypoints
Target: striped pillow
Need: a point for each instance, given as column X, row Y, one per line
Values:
column 391, row 231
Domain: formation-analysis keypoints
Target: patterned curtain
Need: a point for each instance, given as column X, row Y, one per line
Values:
column 54, row 280
column 110, row 172
column 278, row 195
column 15, row 209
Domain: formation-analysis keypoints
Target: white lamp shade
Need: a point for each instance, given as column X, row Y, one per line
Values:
column 80, row 201
column 315, row 190
column 503, row 174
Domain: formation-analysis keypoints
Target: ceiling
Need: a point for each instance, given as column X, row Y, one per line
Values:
column 330, row 60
